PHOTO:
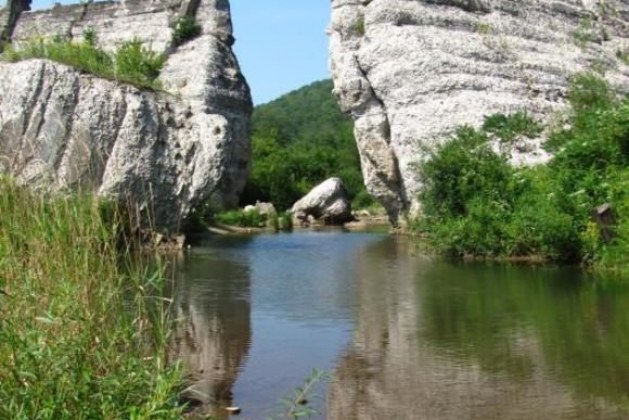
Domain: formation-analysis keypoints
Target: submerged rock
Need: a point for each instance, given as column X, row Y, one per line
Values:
column 410, row 72
column 159, row 153
column 327, row 202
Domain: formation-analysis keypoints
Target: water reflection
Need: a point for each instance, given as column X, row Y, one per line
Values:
column 213, row 332
column 405, row 337
column 442, row 341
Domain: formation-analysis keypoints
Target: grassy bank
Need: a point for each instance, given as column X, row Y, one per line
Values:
column 82, row 335
column 131, row 63
column 476, row 204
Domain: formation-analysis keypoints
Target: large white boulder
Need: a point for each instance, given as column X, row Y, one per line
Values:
column 327, row 202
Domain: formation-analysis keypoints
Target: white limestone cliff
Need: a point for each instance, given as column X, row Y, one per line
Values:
column 410, row 71
column 163, row 153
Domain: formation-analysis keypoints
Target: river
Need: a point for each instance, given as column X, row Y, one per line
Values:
column 400, row 335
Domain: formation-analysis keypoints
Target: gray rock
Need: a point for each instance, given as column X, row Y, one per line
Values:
column 266, row 209
column 327, row 202
column 409, row 72
column 163, row 154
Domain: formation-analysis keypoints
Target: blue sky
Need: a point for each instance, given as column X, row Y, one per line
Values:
column 281, row 44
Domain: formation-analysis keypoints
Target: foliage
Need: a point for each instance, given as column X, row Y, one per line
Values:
column 89, row 36
column 242, row 218
column 475, row 203
column 583, row 33
column 297, row 404
column 131, row 63
column 253, row 219
column 187, row 28
column 589, row 93
column 359, row 26
column 464, row 168
column 299, row 140
column 508, row 128
column 139, row 64
column 83, row 334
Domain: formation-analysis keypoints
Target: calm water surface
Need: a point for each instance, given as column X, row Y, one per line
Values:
column 402, row 336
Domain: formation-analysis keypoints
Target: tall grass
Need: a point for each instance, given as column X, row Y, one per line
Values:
column 131, row 63
column 83, row 335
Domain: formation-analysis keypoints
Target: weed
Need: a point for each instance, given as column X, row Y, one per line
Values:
column 297, row 404
column 89, row 36
column 583, row 34
column 507, row 128
column 132, row 62
column 622, row 55
column 187, row 28
column 482, row 28
column 359, row 27
column 139, row 64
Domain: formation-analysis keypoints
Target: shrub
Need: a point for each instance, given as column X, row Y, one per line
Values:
column 89, row 36
column 186, row 29
column 588, row 92
column 138, row 64
column 251, row 218
column 475, row 203
column 462, row 169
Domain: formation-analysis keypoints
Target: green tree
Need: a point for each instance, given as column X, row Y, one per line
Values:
column 299, row 140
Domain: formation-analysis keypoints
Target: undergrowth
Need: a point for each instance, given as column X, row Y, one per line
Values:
column 476, row 204
column 83, row 333
column 131, row 63
column 254, row 219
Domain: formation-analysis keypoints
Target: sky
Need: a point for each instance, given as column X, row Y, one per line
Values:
column 281, row 44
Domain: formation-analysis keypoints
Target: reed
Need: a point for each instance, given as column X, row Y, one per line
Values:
column 83, row 331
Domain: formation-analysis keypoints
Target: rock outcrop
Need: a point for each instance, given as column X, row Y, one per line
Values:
column 162, row 153
column 327, row 202
column 410, row 71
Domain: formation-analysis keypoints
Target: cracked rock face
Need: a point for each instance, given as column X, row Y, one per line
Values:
column 162, row 153
column 410, row 71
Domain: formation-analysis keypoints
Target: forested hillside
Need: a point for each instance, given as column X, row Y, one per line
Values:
column 299, row 140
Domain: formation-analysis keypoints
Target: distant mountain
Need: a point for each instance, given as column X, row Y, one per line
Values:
column 299, row 140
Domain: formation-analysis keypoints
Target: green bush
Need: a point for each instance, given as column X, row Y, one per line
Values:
column 475, row 203
column 138, row 64
column 462, row 169
column 186, row 29
column 241, row 218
